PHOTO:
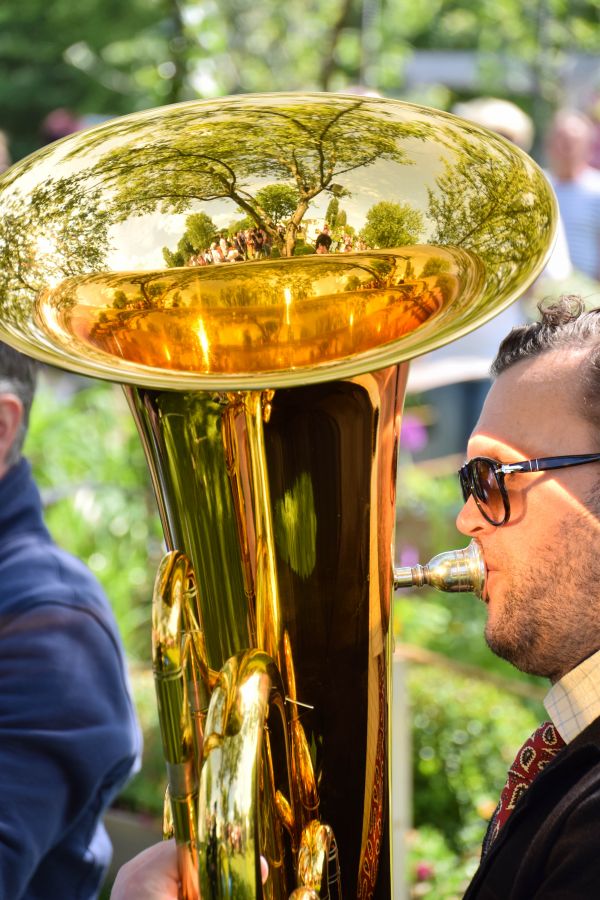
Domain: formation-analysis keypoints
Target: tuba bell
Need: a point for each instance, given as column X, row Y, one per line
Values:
column 268, row 396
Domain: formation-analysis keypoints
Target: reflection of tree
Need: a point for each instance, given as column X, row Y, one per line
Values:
column 271, row 160
column 279, row 201
column 305, row 146
column 493, row 204
column 200, row 231
column 47, row 238
column 391, row 224
column 434, row 265
column 332, row 212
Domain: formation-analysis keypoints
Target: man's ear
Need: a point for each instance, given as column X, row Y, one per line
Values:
column 11, row 416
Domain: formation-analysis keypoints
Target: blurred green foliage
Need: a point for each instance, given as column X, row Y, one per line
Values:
column 465, row 735
column 109, row 58
column 89, row 464
column 434, row 869
column 146, row 791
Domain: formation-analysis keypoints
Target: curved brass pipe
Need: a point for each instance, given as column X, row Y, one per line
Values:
column 238, row 781
column 318, row 863
column 172, row 586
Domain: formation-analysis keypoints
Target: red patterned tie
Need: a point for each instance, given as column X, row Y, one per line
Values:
column 534, row 755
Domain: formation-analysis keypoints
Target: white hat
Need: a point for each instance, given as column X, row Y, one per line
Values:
column 501, row 116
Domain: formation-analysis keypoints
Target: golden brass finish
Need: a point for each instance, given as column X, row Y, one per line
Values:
column 268, row 608
column 86, row 221
column 318, row 862
column 237, row 780
column 174, row 584
column 278, row 507
column 453, row 570
column 329, row 450
column 304, row 894
column 273, row 331
column 303, row 782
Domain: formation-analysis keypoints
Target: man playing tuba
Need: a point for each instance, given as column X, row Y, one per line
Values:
column 531, row 501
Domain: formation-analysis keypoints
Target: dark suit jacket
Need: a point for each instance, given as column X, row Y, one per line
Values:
column 549, row 849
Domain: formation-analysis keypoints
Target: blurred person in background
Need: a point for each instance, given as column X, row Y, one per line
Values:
column 58, row 124
column 68, row 733
column 577, row 187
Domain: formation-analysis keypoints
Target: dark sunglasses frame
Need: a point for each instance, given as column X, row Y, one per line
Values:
column 468, row 478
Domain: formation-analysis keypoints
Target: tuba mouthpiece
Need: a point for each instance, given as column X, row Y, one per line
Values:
column 454, row 570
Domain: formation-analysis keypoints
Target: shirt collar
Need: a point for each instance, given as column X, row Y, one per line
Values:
column 574, row 702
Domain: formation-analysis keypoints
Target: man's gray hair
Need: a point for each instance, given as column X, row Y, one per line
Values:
column 18, row 375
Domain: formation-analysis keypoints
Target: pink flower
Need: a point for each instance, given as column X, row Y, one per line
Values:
column 409, row 555
column 425, row 871
column 413, row 435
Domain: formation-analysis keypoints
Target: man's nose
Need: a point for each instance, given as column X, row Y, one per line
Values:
column 470, row 521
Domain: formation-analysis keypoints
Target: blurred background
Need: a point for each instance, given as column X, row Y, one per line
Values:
column 63, row 66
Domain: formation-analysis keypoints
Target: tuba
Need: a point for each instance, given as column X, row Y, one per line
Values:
column 267, row 388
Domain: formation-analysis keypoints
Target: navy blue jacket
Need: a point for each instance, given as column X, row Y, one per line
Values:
column 68, row 732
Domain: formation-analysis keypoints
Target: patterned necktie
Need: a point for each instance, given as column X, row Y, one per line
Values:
column 534, row 755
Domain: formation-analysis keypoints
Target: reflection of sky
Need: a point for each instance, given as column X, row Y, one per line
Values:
column 138, row 243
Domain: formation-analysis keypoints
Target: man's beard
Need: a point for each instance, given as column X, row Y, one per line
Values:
column 516, row 636
column 548, row 625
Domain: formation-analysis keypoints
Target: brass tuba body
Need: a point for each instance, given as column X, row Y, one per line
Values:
column 268, row 396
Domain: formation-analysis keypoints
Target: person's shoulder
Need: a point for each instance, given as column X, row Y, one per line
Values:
column 37, row 570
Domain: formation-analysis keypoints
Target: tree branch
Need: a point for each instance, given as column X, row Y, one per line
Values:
column 328, row 65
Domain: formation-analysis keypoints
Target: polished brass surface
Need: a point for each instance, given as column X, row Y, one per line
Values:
column 321, row 312
column 257, row 409
column 268, row 395
column 318, row 861
column 238, row 821
column 174, row 585
column 329, row 450
column 303, row 782
column 304, row 894
column 85, row 223
column 454, row 570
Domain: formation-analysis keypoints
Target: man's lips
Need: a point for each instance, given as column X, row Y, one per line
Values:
column 489, row 570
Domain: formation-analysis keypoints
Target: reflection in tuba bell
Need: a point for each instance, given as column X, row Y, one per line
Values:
column 267, row 391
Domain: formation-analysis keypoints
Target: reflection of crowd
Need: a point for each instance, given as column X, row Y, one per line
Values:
column 234, row 838
column 326, row 242
column 246, row 244
column 255, row 243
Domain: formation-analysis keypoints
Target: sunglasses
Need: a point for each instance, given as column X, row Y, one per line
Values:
column 483, row 479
